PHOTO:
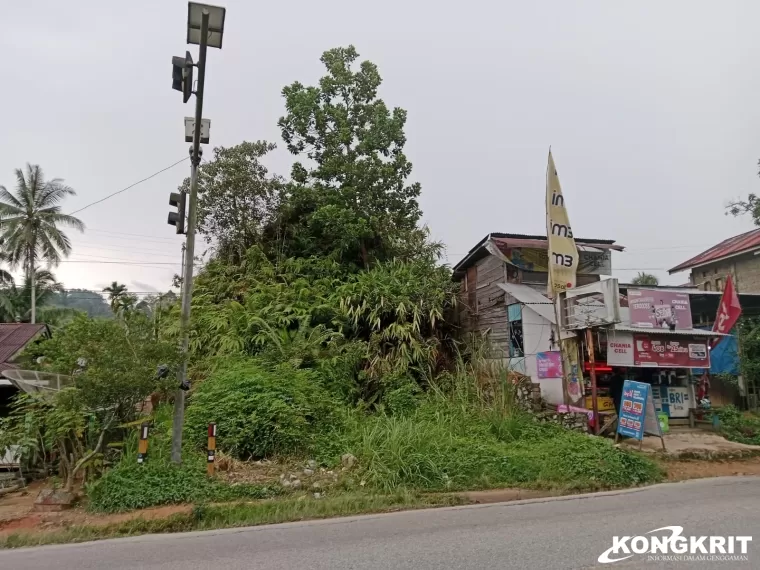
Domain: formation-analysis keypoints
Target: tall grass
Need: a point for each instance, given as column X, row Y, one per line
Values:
column 468, row 432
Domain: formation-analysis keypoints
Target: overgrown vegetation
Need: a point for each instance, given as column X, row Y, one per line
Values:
column 738, row 426
column 322, row 327
column 129, row 485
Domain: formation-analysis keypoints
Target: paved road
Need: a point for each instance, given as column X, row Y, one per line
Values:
column 541, row 534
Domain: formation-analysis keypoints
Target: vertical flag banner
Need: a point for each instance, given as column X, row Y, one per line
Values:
column 729, row 310
column 563, row 254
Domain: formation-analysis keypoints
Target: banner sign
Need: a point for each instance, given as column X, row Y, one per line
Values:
column 653, row 309
column 637, row 415
column 673, row 352
column 620, row 348
column 729, row 310
column 563, row 254
column 549, row 364
column 589, row 262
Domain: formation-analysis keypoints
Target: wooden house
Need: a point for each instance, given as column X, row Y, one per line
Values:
column 503, row 296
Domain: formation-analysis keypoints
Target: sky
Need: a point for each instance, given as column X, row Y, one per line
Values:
column 650, row 108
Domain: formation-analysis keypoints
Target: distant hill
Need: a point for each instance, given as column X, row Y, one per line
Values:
column 82, row 300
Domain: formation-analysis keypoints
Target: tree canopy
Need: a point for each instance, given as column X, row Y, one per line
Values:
column 645, row 279
column 349, row 197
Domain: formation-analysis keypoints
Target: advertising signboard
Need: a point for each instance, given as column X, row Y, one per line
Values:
column 549, row 364
column 669, row 351
column 654, row 309
column 637, row 415
column 620, row 348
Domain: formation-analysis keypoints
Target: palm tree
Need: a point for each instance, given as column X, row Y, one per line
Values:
column 116, row 292
column 15, row 301
column 645, row 279
column 31, row 220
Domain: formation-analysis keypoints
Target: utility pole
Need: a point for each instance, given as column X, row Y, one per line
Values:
column 207, row 36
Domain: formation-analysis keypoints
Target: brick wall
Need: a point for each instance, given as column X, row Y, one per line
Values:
column 744, row 269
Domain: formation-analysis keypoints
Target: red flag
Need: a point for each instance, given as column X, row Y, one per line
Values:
column 728, row 310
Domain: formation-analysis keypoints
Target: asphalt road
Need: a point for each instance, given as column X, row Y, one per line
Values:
column 541, row 534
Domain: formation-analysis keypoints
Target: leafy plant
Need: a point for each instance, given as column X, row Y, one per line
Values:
column 258, row 411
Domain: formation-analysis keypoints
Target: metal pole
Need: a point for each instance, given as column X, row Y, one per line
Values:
column 187, row 277
column 592, row 373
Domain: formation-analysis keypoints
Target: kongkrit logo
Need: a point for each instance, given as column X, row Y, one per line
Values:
column 677, row 547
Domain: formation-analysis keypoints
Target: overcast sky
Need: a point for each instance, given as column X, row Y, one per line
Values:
column 651, row 110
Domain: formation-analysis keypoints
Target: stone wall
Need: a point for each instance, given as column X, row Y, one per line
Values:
column 528, row 396
column 572, row 420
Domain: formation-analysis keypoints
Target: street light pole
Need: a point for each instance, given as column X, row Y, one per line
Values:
column 187, row 276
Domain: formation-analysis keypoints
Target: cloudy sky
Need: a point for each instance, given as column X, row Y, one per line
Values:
column 651, row 109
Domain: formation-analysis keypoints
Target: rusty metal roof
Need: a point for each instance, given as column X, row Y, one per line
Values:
column 506, row 241
column 732, row 246
column 14, row 337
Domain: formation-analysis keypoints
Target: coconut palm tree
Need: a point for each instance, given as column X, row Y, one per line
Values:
column 645, row 279
column 31, row 224
column 116, row 292
column 15, row 300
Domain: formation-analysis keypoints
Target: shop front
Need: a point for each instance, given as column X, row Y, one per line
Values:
column 662, row 358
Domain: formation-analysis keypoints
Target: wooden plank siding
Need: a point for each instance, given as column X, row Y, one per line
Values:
column 483, row 307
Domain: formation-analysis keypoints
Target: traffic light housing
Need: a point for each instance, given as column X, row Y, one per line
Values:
column 177, row 219
column 182, row 75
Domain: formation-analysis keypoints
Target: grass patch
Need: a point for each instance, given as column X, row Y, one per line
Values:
column 207, row 517
column 447, row 444
column 128, row 485
column 739, row 427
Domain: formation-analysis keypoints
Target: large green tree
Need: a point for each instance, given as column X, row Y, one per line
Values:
column 31, row 224
column 350, row 198
column 237, row 198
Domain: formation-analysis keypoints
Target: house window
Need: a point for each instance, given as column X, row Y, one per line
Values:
column 515, row 330
column 719, row 284
column 704, row 274
column 708, row 286
column 715, row 271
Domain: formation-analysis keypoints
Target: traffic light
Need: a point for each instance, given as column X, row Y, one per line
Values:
column 177, row 200
column 182, row 75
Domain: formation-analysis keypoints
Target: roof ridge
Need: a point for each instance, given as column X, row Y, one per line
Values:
column 706, row 256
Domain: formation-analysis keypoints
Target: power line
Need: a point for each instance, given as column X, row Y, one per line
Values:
column 128, row 187
column 153, row 238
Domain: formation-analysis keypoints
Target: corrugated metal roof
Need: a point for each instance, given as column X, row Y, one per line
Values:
column 532, row 298
column 737, row 244
column 540, row 242
column 678, row 332
column 505, row 241
column 14, row 337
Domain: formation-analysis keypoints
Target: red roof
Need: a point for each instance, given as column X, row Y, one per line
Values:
column 731, row 246
column 14, row 337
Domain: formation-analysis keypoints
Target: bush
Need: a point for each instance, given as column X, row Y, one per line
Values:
column 259, row 411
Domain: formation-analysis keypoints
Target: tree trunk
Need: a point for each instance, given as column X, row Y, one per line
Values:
column 34, row 290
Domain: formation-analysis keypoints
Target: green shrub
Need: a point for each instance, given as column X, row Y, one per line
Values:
column 258, row 411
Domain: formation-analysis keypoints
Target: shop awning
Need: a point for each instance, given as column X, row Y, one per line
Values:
column 532, row 298
column 677, row 332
